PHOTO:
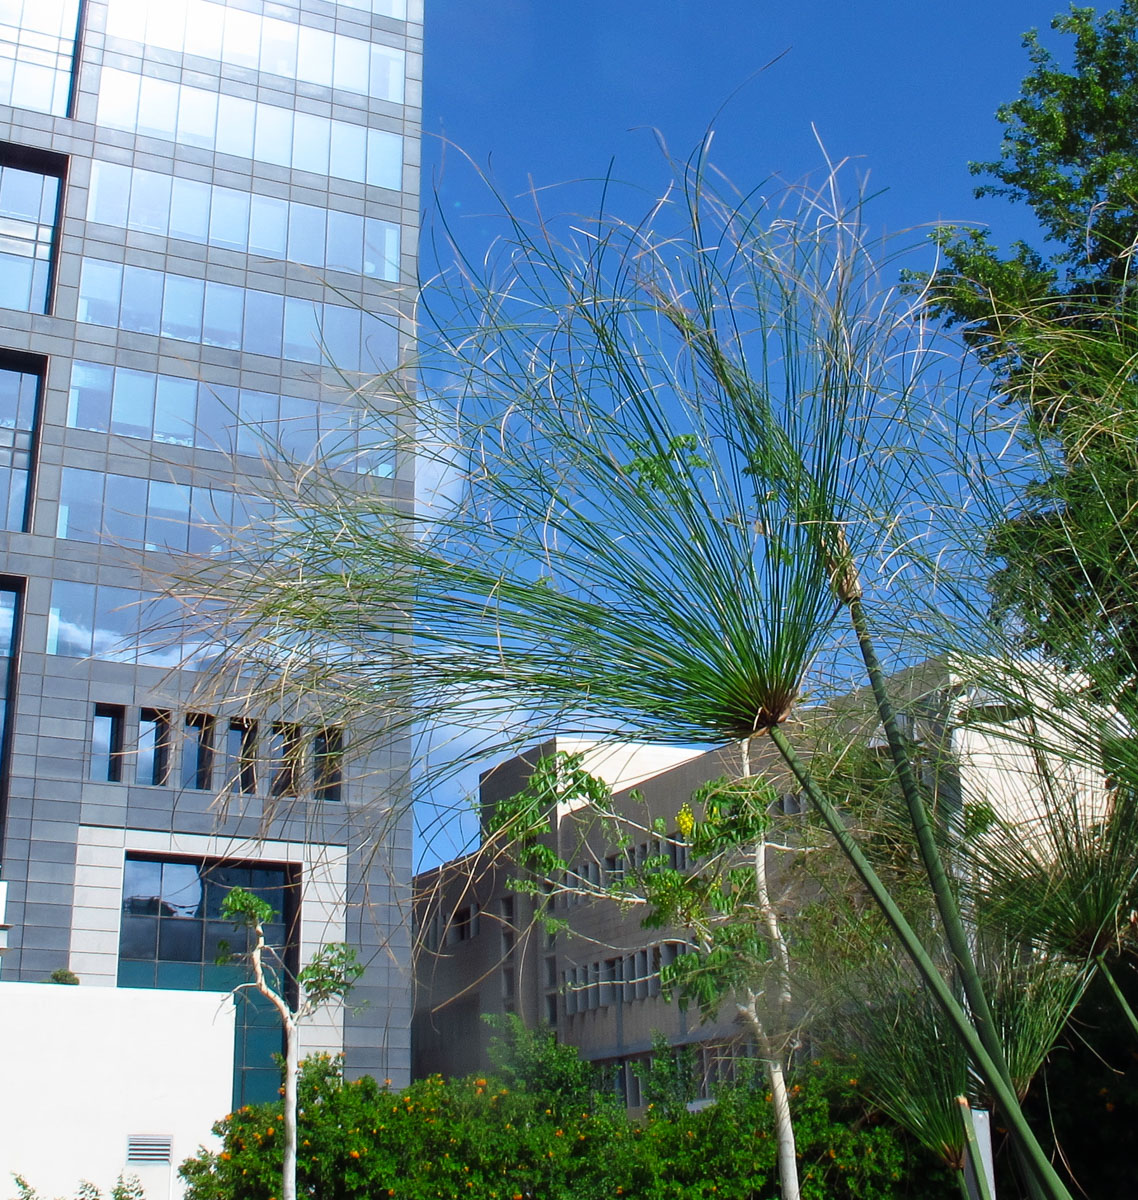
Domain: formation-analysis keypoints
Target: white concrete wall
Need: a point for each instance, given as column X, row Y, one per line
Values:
column 85, row 1068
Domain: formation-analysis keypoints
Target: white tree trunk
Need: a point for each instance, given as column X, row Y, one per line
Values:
column 773, row 1054
column 292, row 1050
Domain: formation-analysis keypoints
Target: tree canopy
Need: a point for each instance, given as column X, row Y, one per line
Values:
column 1056, row 325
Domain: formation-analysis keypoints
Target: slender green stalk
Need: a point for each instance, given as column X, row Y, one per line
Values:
column 1123, row 1004
column 985, row 1066
column 926, row 841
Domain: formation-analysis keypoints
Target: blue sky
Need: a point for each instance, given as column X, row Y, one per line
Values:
column 547, row 92
column 552, row 91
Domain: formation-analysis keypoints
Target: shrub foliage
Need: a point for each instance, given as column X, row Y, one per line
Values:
column 485, row 1137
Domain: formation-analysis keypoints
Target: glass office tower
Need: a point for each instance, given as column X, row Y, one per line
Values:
column 203, row 205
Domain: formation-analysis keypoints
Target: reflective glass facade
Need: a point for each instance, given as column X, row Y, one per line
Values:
column 244, row 128
column 29, row 206
column 207, row 243
column 148, row 201
column 176, row 411
column 37, row 47
column 262, row 43
column 19, row 408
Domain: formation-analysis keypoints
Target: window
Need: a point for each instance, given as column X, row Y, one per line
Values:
column 197, row 752
column 464, row 924
column 611, row 971
column 21, row 380
column 328, row 763
column 37, row 50
column 118, row 625
column 172, row 935
column 152, row 764
column 551, row 1008
column 196, row 116
column 241, row 756
column 31, row 184
column 285, row 755
column 509, row 933
column 107, row 742
column 144, row 300
column 268, row 44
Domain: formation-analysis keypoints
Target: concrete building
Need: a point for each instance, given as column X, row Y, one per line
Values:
column 203, row 206
column 593, row 975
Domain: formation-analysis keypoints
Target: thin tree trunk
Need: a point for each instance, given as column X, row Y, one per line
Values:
column 292, row 1049
column 783, row 1124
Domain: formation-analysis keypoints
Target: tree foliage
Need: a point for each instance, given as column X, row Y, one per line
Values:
column 1056, row 324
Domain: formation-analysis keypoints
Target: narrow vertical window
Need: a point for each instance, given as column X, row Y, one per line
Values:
column 285, row 755
column 241, row 756
column 21, row 379
column 107, row 742
column 328, row 763
column 197, row 752
column 31, row 184
column 152, row 765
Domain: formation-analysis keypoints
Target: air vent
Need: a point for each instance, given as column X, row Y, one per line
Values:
column 145, row 1149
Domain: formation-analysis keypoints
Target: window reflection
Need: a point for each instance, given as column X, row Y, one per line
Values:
column 172, row 935
column 117, row 624
column 221, row 216
column 19, row 405
column 37, row 48
column 248, row 129
column 268, row 44
column 150, row 514
column 29, row 202
column 147, row 301
column 187, row 412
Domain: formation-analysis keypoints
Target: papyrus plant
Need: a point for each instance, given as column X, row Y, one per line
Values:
column 668, row 460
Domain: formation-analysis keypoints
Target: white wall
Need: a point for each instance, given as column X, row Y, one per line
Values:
column 84, row 1068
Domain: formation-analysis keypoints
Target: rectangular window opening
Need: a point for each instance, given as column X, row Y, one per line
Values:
column 197, row 752
column 155, row 735
column 107, row 742
column 285, row 753
column 241, row 756
column 328, row 763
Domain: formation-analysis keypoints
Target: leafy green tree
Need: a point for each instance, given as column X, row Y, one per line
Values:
column 1057, row 327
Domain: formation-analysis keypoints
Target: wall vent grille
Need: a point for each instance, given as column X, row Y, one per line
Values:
column 141, row 1148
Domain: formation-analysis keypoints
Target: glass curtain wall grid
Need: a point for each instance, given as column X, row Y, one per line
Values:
column 211, row 313
column 21, row 382
column 31, row 191
column 212, row 215
column 267, row 133
column 37, row 52
column 261, row 43
column 177, row 411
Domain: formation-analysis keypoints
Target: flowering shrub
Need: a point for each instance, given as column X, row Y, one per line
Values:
column 479, row 1137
